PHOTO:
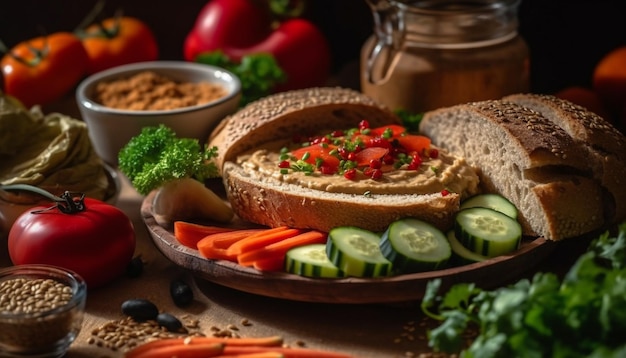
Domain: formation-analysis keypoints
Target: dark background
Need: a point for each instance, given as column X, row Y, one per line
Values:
column 566, row 38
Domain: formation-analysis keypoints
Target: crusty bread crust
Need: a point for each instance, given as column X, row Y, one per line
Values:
column 298, row 112
column 262, row 200
column 606, row 146
column 528, row 159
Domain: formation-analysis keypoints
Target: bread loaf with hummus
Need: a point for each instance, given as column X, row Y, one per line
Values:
column 528, row 157
column 249, row 143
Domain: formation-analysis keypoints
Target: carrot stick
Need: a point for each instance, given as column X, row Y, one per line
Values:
column 214, row 246
column 259, row 240
column 189, row 234
column 254, row 355
column 280, row 248
column 179, row 350
column 270, row 263
column 286, row 352
column 269, row 341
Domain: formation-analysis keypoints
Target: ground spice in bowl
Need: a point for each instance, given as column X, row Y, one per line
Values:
column 148, row 90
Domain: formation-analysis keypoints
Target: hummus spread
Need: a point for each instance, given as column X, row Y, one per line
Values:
column 435, row 175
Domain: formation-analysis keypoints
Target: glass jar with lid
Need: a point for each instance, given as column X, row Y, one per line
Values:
column 429, row 54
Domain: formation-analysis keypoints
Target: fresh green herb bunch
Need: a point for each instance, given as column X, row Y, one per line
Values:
column 157, row 155
column 584, row 315
column 258, row 73
column 409, row 119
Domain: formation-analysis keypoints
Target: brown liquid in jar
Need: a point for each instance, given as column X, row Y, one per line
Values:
column 437, row 58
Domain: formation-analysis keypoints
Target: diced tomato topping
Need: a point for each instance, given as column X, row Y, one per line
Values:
column 350, row 174
column 316, row 152
column 365, row 156
column 414, row 143
column 388, row 159
column 416, row 162
column 370, row 151
column 376, row 163
column 395, row 129
column 378, row 142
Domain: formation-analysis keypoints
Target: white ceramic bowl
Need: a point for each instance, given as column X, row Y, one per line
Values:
column 110, row 129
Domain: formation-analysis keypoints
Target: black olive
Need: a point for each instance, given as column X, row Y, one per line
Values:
column 181, row 293
column 140, row 309
column 169, row 322
column 135, row 267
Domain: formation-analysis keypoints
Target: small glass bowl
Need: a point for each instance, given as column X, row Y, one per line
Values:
column 50, row 313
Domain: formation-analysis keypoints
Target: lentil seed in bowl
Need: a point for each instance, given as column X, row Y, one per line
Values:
column 41, row 310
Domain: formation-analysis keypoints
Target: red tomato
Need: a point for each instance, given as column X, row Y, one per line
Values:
column 97, row 243
column 118, row 41
column 44, row 69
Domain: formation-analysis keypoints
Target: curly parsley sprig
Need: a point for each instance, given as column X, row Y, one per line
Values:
column 157, row 155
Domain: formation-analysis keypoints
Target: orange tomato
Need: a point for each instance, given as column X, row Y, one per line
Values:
column 42, row 70
column 609, row 78
column 118, row 41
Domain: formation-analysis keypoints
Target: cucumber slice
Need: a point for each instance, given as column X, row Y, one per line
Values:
column 487, row 232
column 414, row 245
column 356, row 252
column 461, row 255
column 311, row 261
column 491, row 201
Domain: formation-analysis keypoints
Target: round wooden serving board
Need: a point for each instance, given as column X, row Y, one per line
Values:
column 401, row 288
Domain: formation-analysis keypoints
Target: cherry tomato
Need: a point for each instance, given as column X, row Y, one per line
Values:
column 44, row 69
column 98, row 242
column 117, row 41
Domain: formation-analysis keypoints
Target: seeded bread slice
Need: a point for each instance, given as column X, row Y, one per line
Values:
column 299, row 112
column 526, row 158
column 605, row 144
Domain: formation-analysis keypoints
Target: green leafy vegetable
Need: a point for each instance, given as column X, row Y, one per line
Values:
column 259, row 73
column 584, row 315
column 410, row 120
column 157, row 155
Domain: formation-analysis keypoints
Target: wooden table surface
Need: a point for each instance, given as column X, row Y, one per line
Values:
column 371, row 330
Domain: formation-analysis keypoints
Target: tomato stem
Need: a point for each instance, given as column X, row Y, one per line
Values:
column 67, row 203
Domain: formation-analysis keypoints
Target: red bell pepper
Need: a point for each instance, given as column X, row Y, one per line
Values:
column 242, row 27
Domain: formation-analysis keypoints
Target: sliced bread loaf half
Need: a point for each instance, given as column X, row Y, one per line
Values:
column 527, row 158
column 605, row 144
column 266, row 197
